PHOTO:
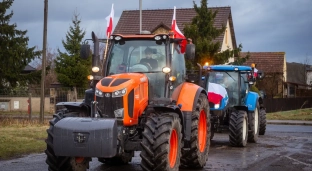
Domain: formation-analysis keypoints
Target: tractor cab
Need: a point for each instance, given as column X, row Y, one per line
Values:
column 156, row 56
column 235, row 79
column 137, row 70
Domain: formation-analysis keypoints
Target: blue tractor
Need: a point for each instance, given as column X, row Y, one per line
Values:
column 238, row 110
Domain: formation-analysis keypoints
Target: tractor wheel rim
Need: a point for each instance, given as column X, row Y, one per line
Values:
column 256, row 121
column 244, row 128
column 202, row 131
column 173, row 148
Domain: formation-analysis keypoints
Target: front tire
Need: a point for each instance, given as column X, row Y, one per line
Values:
column 254, row 123
column 238, row 127
column 57, row 163
column 197, row 155
column 161, row 144
column 263, row 121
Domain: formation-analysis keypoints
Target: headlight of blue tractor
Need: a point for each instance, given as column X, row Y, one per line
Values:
column 216, row 106
column 119, row 93
column 99, row 93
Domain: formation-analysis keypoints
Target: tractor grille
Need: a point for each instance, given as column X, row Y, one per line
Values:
column 211, row 105
column 108, row 105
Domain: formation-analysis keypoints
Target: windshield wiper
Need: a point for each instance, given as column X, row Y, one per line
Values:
column 230, row 76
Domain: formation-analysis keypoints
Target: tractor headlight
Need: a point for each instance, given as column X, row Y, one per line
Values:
column 99, row 93
column 216, row 106
column 166, row 70
column 119, row 93
column 95, row 69
column 119, row 113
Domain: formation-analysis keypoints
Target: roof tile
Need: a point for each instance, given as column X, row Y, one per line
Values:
column 129, row 20
column 268, row 62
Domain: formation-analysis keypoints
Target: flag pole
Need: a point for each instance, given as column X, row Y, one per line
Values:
column 105, row 51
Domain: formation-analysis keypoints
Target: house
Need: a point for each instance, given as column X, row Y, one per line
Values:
column 28, row 69
column 273, row 65
column 159, row 21
column 298, row 79
column 309, row 74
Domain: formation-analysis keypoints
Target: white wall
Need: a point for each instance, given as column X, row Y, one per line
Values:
column 227, row 40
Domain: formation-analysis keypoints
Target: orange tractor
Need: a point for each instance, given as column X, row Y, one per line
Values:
column 143, row 102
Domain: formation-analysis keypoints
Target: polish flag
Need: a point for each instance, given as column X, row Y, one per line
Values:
column 255, row 72
column 177, row 32
column 216, row 93
column 109, row 20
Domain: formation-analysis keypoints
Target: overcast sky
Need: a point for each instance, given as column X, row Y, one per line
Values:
column 260, row 25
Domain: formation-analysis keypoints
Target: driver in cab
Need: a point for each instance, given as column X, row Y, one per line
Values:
column 149, row 60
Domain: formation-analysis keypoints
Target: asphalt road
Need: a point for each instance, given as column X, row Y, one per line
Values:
column 284, row 147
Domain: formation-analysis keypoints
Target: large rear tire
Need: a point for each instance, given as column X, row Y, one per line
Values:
column 161, row 144
column 254, row 124
column 263, row 121
column 197, row 155
column 238, row 127
column 57, row 163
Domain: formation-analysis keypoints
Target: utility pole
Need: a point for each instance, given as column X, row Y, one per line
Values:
column 140, row 16
column 44, row 54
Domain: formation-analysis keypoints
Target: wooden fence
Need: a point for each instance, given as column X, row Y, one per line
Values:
column 284, row 104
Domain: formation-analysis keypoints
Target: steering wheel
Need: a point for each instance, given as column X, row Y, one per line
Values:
column 140, row 67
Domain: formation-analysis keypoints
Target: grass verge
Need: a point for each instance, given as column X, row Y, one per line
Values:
column 20, row 137
column 300, row 114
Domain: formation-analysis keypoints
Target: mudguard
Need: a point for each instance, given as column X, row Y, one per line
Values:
column 85, row 137
column 186, row 96
column 251, row 101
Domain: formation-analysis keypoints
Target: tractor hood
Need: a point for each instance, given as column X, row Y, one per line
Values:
column 121, row 81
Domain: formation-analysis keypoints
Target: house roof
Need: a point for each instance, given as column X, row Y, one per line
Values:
column 296, row 73
column 268, row 62
column 152, row 19
column 28, row 69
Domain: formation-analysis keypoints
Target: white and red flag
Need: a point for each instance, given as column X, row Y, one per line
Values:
column 255, row 72
column 216, row 93
column 109, row 20
column 177, row 32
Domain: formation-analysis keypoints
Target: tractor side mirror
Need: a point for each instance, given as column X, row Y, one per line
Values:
column 84, row 51
column 190, row 51
column 260, row 75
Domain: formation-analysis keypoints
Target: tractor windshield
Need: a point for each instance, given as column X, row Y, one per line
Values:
column 229, row 80
column 143, row 56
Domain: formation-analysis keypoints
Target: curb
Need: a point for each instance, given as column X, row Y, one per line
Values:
column 289, row 122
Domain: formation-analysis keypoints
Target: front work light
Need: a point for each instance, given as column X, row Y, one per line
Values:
column 95, row 69
column 166, row 70
column 99, row 93
column 119, row 93
column 216, row 106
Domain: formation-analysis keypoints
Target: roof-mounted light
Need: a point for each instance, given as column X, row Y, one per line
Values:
column 236, row 69
column 117, row 38
column 157, row 37
column 164, row 37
